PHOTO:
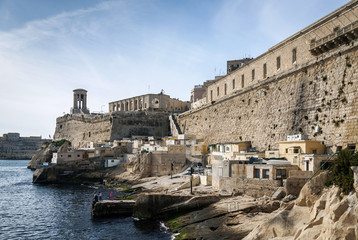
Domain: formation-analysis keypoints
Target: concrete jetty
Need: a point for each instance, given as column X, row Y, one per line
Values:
column 113, row 208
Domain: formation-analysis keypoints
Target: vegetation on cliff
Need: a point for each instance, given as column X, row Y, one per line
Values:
column 61, row 142
column 341, row 173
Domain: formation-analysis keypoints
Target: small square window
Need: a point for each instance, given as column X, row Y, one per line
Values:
column 256, row 173
column 265, row 173
column 264, row 71
column 294, row 55
column 278, row 62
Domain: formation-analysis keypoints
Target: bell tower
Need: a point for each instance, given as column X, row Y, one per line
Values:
column 79, row 102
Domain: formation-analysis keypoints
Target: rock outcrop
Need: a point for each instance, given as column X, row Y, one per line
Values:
column 113, row 208
column 157, row 205
column 318, row 213
column 45, row 154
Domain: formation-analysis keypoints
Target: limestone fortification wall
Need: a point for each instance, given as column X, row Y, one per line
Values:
column 322, row 92
column 81, row 129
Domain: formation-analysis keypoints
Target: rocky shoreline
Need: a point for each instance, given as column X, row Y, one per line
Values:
column 318, row 212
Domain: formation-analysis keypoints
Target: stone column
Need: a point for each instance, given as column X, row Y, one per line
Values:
column 84, row 106
column 75, row 101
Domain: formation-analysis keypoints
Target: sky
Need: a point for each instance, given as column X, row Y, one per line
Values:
column 125, row 48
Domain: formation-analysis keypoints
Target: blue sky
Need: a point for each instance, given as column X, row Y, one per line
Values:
column 119, row 49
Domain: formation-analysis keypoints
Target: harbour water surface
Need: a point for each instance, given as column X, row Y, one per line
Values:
column 32, row 211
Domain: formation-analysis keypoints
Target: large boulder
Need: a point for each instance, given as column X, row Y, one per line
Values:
column 318, row 213
column 45, row 175
column 311, row 190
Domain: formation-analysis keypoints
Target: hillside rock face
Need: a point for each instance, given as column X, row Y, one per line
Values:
column 319, row 213
column 45, row 154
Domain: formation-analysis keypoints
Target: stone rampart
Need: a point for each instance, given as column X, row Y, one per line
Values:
column 321, row 93
column 81, row 129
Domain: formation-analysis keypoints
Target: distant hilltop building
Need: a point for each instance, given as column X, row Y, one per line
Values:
column 158, row 102
column 79, row 102
column 12, row 146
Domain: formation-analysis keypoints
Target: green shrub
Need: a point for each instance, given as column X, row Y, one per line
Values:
column 341, row 173
column 61, row 142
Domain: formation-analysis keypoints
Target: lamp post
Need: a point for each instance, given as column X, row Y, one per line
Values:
column 191, row 180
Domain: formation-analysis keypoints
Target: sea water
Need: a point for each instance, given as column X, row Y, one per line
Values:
column 54, row 211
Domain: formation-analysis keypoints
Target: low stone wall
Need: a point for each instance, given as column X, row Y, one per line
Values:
column 161, row 163
column 294, row 185
column 252, row 187
column 300, row 174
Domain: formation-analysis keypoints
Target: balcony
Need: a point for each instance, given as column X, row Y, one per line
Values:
column 342, row 36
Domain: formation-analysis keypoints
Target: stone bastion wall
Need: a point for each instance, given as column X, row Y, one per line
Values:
column 81, row 129
column 322, row 92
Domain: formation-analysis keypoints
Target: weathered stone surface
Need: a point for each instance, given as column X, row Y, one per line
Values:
column 43, row 155
column 310, row 191
column 113, row 208
column 319, row 213
column 45, row 175
column 322, row 93
column 81, row 129
column 158, row 205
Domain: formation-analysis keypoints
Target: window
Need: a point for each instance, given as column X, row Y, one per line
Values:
column 314, row 151
column 211, row 95
column 69, row 155
column 265, row 71
column 296, row 150
column 220, row 171
column 217, row 91
column 225, row 89
column 278, row 63
column 265, row 173
column 286, row 150
column 294, row 55
column 233, row 83
column 253, row 74
column 281, row 174
column 256, row 173
column 242, row 80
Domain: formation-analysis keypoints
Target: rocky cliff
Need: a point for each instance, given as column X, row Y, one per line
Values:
column 45, row 154
column 318, row 213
